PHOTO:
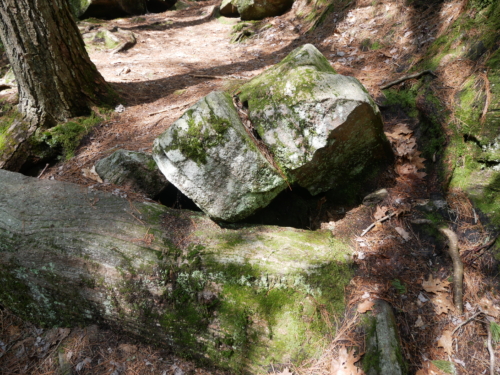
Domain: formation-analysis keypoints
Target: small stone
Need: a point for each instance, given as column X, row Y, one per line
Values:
column 376, row 197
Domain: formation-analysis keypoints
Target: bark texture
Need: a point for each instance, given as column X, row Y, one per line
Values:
column 238, row 298
column 55, row 76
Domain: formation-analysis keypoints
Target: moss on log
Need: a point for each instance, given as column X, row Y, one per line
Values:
column 239, row 298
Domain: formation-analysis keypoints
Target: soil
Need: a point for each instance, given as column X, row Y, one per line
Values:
column 181, row 56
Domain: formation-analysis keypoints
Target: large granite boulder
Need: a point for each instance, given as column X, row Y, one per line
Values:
column 135, row 170
column 107, row 9
column 228, row 8
column 209, row 156
column 322, row 128
column 260, row 9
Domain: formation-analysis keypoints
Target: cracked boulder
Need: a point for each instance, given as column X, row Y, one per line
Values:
column 322, row 128
column 209, row 156
column 135, row 170
column 109, row 9
column 260, row 9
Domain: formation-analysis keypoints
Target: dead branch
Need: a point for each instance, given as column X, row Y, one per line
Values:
column 215, row 77
column 467, row 321
column 43, row 171
column 458, row 268
column 405, row 78
column 485, row 246
column 375, row 223
column 169, row 109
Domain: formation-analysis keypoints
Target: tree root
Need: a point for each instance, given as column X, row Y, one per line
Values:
column 458, row 268
column 405, row 78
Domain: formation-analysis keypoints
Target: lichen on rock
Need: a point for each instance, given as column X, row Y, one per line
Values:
column 209, row 156
column 321, row 127
column 136, row 170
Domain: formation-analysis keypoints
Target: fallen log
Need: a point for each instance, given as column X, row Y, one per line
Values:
column 241, row 298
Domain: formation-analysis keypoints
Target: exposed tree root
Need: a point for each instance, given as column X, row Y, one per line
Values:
column 458, row 268
column 490, row 347
column 405, row 78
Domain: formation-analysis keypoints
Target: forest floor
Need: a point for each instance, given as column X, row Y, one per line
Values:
column 181, row 56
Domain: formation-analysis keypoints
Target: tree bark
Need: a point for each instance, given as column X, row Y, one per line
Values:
column 239, row 298
column 55, row 76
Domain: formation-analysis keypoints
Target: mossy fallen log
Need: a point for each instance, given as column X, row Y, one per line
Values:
column 240, row 298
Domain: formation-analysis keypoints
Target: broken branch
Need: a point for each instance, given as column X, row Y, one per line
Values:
column 375, row 223
column 405, row 78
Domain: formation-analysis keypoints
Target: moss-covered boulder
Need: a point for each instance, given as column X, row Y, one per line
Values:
column 322, row 128
column 228, row 8
column 107, row 9
column 209, row 156
column 242, row 299
column 135, row 170
column 260, row 9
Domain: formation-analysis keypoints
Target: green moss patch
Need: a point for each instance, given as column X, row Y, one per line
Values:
column 63, row 139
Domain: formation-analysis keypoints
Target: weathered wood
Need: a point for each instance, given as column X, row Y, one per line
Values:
column 239, row 298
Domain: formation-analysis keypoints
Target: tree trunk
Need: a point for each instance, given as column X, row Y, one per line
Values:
column 240, row 298
column 55, row 76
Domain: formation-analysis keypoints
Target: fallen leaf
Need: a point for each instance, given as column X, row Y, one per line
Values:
column 442, row 303
column 365, row 306
column 345, row 363
column 488, row 307
column 398, row 130
column 128, row 349
column 419, row 323
column 404, row 169
column 406, row 236
column 418, row 161
column 380, row 212
column 434, row 286
column 92, row 174
column 446, row 342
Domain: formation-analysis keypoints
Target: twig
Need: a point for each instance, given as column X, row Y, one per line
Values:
column 375, row 223
column 486, row 246
column 490, row 348
column 467, row 321
column 405, row 78
column 215, row 77
column 458, row 268
column 169, row 109
column 43, row 171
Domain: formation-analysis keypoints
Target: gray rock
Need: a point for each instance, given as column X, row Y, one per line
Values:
column 209, row 156
column 260, row 9
column 375, row 197
column 383, row 355
column 115, row 8
column 135, row 170
column 228, row 8
column 322, row 128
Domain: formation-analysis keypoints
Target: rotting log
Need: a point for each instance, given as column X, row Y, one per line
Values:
column 239, row 298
